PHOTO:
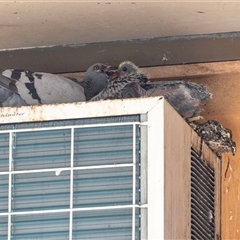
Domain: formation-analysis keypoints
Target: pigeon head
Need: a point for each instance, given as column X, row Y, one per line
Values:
column 97, row 70
column 127, row 67
column 95, row 79
column 130, row 70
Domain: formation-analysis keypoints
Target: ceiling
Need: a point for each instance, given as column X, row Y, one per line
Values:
column 30, row 24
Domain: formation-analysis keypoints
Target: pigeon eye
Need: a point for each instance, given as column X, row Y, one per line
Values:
column 96, row 67
column 124, row 69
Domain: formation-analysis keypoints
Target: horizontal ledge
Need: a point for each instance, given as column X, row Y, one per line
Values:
column 190, row 71
column 186, row 71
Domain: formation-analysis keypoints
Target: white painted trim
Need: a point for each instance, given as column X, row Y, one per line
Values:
column 10, row 185
column 144, row 174
column 67, row 127
column 59, row 170
column 73, row 210
column 156, row 174
column 71, row 185
column 134, row 182
column 77, row 110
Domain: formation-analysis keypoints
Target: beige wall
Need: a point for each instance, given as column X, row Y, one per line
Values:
column 30, row 24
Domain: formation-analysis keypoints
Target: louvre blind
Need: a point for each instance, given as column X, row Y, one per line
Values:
column 71, row 179
column 202, row 198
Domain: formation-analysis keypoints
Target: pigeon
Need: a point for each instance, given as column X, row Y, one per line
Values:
column 130, row 82
column 186, row 97
column 21, row 87
column 124, row 85
column 218, row 138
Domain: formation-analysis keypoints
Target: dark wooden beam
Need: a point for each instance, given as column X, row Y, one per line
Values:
column 144, row 52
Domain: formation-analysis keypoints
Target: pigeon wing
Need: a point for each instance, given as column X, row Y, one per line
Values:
column 10, row 99
column 185, row 97
column 121, row 87
column 42, row 88
column 133, row 90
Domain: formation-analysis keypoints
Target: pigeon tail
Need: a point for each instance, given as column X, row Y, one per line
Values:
column 7, row 83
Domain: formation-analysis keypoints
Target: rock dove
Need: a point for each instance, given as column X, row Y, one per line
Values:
column 185, row 97
column 218, row 138
column 21, row 87
column 117, row 87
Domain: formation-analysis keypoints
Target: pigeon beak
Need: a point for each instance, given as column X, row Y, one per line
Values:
column 111, row 71
column 114, row 75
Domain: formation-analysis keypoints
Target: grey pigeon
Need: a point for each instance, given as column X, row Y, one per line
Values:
column 21, row 87
column 185, row 97
column 218, row 138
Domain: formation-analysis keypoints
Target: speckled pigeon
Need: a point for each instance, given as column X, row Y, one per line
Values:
column 185, row 97
column 20, row 87
column 124, row 84
column 117, row 88
column 218, row 138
